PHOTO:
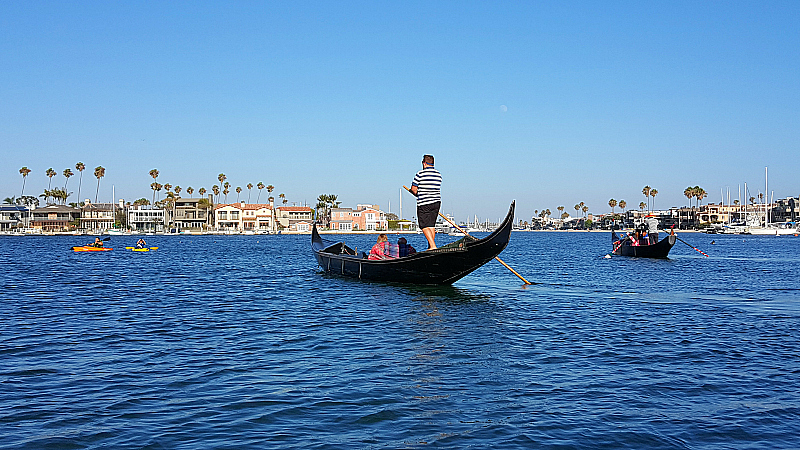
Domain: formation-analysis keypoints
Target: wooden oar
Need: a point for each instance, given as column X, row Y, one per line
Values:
column 467, row 234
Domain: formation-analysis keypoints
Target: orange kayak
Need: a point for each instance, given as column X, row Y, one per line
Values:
column 91, row 249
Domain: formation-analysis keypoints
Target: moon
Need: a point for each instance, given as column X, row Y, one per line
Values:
column 503, row 108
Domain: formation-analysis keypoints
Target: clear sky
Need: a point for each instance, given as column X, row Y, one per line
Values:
column 548, row 103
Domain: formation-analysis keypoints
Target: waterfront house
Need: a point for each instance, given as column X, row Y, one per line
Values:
column 244, row 217
column 289, row 216
column 14, row 216
column 187, row 214
column 341, row 219
column 55, row 218
column 146, row 218
column 362, row 218
column 99, row 217
column 785, row 210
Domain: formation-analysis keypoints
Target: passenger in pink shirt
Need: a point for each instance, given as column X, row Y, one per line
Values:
column 383, row 249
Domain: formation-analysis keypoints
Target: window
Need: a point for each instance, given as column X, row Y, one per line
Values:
column 234, row 215
column 223, row 215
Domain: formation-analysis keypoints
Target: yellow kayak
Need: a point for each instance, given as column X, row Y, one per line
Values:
column 145, row 249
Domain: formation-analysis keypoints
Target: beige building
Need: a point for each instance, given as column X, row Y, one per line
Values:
column 295, row 218
column 243, row 217
column 188, row 215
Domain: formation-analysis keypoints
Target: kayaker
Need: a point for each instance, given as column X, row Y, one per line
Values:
column 97, row 243
column 141, row 243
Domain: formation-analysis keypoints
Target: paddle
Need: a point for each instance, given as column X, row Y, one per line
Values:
column 467, row 234
column 701, row 252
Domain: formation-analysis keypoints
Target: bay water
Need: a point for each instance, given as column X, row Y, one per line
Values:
column 238, row 342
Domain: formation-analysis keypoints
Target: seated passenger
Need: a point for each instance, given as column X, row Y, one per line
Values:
column 97, row 243
column 404, row 248
column 383, row 249
column 141, row 243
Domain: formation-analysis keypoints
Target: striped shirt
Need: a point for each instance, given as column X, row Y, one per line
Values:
column 429, row 184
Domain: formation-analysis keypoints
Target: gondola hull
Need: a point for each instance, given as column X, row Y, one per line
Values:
column 436, row 267
column 658, row 250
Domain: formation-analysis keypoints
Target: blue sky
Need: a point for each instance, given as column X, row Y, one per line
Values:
column 548, row 103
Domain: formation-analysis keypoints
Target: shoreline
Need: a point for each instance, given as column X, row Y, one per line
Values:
column 321, row 232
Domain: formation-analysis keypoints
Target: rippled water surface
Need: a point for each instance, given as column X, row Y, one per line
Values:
column 240, row 342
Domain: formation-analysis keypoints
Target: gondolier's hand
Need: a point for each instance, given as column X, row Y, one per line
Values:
column 413, row 190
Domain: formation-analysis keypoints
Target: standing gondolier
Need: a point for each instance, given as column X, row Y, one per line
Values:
column 426, row 187
column 652, row 228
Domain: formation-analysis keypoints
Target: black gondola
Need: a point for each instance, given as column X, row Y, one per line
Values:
column 444, row 265
column 658, row 250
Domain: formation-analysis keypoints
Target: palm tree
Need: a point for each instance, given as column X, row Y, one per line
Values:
column 157, row 188
column 99, row 172
column 260, row 186
column 700, row 193
column 560, row 209
column 270, row 188
column 153, row 187
column 239, row 191
column 202, row 191
column 689, row 193
column 24, row 172
column 249, row 190
column 646, row 192
column 9, row 201
column 45, row 195
column 226, row 189
column 612, row 203
column 67, row 173
column 642, row 206
column 322, row 203
column 50, row 173
column 623, row 204
column 585, row 209
column 283, row 197
column 653, row 193
column 178, row 190
column 154, row 174
column 80, row 167
column 190, row 191
column 215, row 190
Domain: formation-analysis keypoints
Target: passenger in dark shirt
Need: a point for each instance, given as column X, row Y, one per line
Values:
column 405, row 248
